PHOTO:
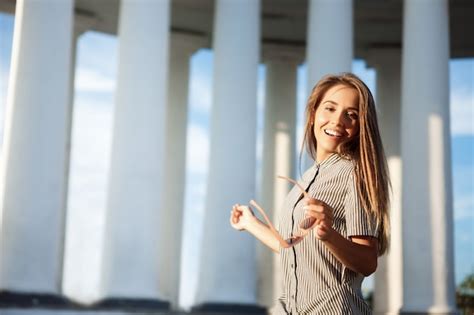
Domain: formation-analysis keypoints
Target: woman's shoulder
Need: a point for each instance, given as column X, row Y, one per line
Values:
column 346, row 166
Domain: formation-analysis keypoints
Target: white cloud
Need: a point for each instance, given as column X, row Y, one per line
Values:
column 91, row 80
column 200, row 93
column 197, row 151
column 464, row 207
column 462, row 112
column 193, row 226
column 97, row 50
column 91, row 142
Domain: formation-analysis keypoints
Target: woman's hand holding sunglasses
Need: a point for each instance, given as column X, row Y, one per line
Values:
column 241, row 217
column 320, row 217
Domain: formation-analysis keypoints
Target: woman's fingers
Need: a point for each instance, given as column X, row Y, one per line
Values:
column 319, row 215
column 235, row 214
column 312, row 201
column 245, row 210
column 323, row 219
column 323, row 230
column 319, row 212
column 240, row 216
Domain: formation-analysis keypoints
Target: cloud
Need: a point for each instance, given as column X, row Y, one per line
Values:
column 200, row 93
column 200, row 81
column 92, row 80
column 462, row 112
column 464, row 207
column 191, row 248
column 91, row 142
column 98, row 50
column 197, row 151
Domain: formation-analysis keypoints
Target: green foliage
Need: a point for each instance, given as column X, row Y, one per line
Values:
column 468, row 282
column 465, row 295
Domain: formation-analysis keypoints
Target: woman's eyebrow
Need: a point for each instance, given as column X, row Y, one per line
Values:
column 334, row 103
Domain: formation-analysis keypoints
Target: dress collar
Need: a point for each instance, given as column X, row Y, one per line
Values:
column 330, row 160
column 311, row 172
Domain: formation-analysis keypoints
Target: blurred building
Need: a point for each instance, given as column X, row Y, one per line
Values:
column 408, row 42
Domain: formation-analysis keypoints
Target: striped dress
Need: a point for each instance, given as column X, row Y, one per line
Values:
column 314, row 281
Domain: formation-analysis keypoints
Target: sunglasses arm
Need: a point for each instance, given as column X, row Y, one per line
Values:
column 282, row 242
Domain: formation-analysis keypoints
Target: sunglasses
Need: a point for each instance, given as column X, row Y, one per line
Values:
column 305, row 225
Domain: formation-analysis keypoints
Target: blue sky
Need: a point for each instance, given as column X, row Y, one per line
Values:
column 91, row 142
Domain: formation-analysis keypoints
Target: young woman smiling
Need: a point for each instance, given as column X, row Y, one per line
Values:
column 348, row 199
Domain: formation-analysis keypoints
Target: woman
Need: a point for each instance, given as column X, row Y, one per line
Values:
column 348, row 191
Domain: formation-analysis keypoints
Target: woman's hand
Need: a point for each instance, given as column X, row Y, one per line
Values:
column 241, row 217
column 324, row 217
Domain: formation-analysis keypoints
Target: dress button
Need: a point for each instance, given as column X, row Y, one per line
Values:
column 292, row 265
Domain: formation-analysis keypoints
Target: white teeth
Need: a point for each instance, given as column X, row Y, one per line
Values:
column 332, row 133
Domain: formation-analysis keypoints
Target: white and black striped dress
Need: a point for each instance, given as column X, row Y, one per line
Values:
column 314, row 281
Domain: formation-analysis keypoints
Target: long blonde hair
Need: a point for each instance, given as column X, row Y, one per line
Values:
column 366, row 150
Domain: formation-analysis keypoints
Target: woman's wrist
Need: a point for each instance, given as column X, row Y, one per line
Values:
column 252, row 223
column 330, row 234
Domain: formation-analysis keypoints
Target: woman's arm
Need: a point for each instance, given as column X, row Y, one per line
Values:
column 242, row 218
column 358, row 253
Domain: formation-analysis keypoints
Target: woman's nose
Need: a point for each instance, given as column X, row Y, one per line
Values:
column 339, row 118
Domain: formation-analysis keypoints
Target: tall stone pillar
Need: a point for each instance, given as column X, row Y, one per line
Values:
column 182, row 48
column 428, row 269
column 389, row 275
column 329, row 44
column 131, row 240
column 34, row 156
column 228, row 260
column 279, row 154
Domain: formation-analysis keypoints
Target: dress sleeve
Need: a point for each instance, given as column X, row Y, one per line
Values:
column 357, row 220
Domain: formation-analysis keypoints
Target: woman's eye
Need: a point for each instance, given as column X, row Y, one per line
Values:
column 352, row 115
column 329, row 109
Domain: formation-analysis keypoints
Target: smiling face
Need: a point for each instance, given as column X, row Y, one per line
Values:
column 336, row 120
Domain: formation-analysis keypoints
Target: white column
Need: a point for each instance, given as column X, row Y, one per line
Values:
column 279, row 158
column 428, row 275
column 329, row 44
column 34, row 156
column 388, row 278
column 182, row 47
column 330, row 38
column 228, row 266
column 131, row 256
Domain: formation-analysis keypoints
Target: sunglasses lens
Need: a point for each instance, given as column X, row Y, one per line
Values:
column 307, row 223
column 294, row 240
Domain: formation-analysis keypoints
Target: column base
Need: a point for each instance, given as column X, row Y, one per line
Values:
column 15, row 299
column 431, row 313
column 31, row 300
column 228, row 309
column 32, row 311
column 114, row 303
